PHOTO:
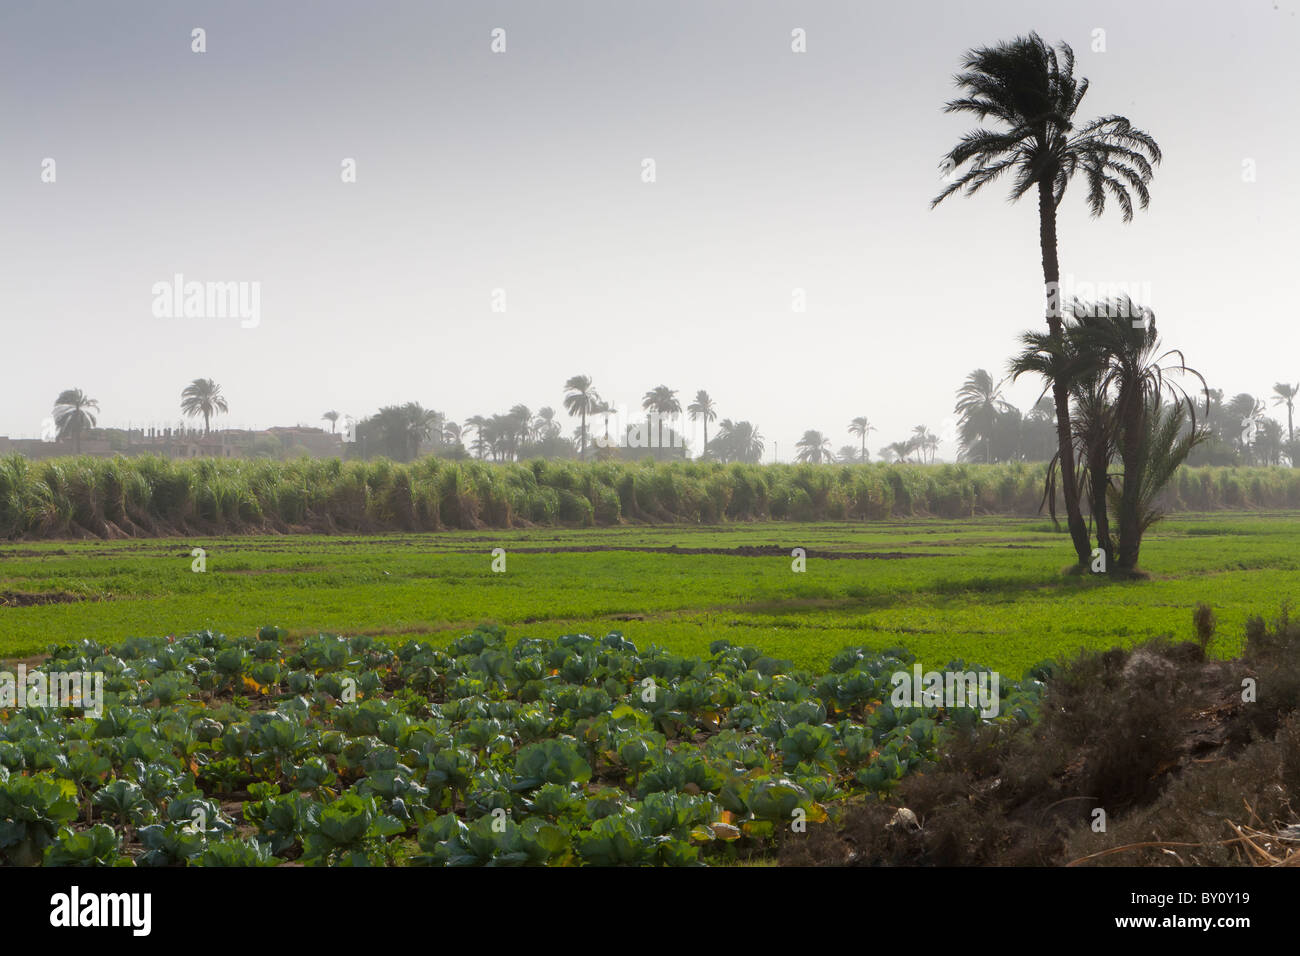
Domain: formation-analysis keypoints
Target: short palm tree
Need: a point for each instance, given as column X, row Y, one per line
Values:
column 1034, row 96
column 332, row 417
column 814, row 448
column 1125, row 359
column 703, row 409
column 899, row 449
column 203, row 397
column 860, row 426
column 73, row 414
column 581, row 399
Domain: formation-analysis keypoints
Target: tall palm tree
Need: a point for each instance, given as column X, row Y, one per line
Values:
column 203, row 397
column 860, row 426
column 332, row 417
column 703, row 408
column 1034, row 95
column 814, row 448
column 1284, row 394
column 73, row 414
column 662, row 400
column 581, row 399
column 979, row 402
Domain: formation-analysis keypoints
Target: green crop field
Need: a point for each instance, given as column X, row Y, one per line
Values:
column 989, row 591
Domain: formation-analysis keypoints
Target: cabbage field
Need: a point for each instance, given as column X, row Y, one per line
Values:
column 252, row 751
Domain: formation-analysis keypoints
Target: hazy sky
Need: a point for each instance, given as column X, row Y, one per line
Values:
column 522, row 171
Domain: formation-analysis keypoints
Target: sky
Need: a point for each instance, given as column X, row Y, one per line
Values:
column 517, row 177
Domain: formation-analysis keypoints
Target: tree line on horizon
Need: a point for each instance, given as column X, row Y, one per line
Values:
column 990, row 429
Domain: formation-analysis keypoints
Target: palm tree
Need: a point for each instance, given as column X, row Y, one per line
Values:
column 814, row 448
column 979, row 402
column 480, row 445
column 899, row 449
column 519, row 428
column 662, row 400
column 926, row 442
column 860, row 426
column 545, row 425
column 1035, row 96
column 73, row 414
column 581, row 399
column 736, row 441
column 203, row 397
column 421, row 425
column 1284, row 394
column 1244, row 414
column 332, row 417
column 703, row 408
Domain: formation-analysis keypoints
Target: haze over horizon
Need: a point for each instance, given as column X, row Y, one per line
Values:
column 522, row 171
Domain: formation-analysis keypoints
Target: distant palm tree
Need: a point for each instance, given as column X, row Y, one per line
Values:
column 899, row 449
column 73, row 414
column 979, row 402
column 480, row 444
column 1034, row 95
column 1284, row 394
column 1245, row 413
column 332, row 417
column 703, row 408
column 927, row 443
column 519, row 428
column 737, row 441
column 581, row 399
column 545, row 425
column 203, row 397
column 814, row 448
column 860, row 426
column 846, row 453
column 662, row 400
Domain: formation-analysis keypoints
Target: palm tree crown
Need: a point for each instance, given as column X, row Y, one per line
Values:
column 1034, row 94
column 203, row 397
column 814, row 448
column 73, row 415
column 703, row 409
column 582, row 400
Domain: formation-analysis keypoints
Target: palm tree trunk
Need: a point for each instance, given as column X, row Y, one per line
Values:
column 1099, row 472
column 1131, row 409
column 1060, row 389
column 582, row 439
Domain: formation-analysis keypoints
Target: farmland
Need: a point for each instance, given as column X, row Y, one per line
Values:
column 986, row 590
column 633, row 695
